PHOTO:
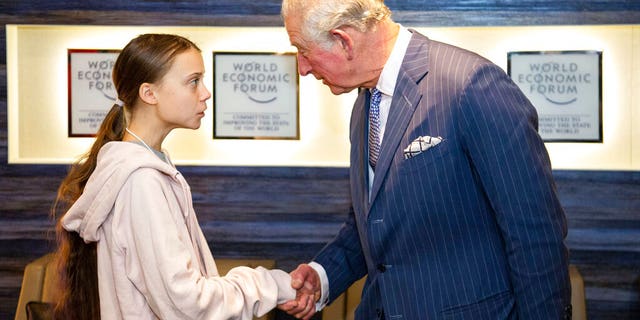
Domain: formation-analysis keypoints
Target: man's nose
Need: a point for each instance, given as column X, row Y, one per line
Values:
column 304, row 68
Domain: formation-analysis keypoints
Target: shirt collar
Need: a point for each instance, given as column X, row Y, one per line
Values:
column 389, row 75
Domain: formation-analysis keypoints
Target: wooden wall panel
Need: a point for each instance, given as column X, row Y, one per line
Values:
column 288, row 214
column 603, row 213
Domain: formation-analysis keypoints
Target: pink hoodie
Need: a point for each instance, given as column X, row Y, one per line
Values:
column 153, row 260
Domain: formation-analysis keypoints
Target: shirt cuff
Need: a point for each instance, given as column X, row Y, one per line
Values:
column 324, row 282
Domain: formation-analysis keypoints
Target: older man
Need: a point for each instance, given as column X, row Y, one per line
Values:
column 454, row 208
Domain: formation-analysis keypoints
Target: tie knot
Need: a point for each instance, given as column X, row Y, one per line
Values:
column 376, row 95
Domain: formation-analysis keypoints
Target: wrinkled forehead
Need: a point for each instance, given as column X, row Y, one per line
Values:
column 293, row 25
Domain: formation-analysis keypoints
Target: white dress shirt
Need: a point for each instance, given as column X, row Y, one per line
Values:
column 387, row 83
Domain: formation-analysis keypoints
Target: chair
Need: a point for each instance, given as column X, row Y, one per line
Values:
column 38, row 275
column 578, row 300
column 35, row 285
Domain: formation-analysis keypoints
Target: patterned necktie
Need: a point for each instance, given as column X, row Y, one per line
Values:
column 374, row 127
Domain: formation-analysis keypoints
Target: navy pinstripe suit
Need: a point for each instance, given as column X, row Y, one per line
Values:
column 469, row 229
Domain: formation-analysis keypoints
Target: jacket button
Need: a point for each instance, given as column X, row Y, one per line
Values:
column 382, row 268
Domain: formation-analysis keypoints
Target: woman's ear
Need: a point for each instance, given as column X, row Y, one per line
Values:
column 147, row 94
column 344, row 40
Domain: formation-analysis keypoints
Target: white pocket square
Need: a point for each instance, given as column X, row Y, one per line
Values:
column 420, row 145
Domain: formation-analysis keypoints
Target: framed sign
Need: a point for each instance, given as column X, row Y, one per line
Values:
column 566, row 89
column 91, row 90
column 255, row 96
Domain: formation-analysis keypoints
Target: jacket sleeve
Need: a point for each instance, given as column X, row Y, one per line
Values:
column 343, row 259
column 499, row 128
column 161, row 261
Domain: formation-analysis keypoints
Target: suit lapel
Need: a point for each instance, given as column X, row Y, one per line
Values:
column 406, row 98
column 358, row 169
column 400, row 113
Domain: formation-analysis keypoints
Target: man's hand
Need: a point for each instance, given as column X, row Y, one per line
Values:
column 307, row 284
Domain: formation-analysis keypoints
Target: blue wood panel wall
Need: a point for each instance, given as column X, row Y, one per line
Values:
column 288, row 214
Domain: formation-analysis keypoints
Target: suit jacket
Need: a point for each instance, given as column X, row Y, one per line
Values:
column 469, row 229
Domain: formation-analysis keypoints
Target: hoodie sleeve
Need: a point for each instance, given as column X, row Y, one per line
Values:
column 163, row 265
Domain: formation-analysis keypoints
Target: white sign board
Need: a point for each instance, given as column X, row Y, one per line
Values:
column 566, row 89
column 255, row 96
column 91, row 89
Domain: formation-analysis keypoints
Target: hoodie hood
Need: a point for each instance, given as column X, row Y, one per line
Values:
column 117, row 160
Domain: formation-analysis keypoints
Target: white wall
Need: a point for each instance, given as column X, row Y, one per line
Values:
column 37, row 93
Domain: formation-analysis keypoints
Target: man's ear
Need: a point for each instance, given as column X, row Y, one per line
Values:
column 344, row 40
column 147, row 94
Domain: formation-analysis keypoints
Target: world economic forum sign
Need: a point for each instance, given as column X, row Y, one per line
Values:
column 91, row 91
column 255, row 96
column 566, row 89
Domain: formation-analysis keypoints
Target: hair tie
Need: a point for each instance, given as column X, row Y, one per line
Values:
column 119, row 102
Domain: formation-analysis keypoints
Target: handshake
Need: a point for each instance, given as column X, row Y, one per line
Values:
column 306, row 282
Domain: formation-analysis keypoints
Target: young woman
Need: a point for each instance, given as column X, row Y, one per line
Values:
column 130, row 246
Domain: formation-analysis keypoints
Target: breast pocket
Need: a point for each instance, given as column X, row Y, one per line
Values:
column 427, row 160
